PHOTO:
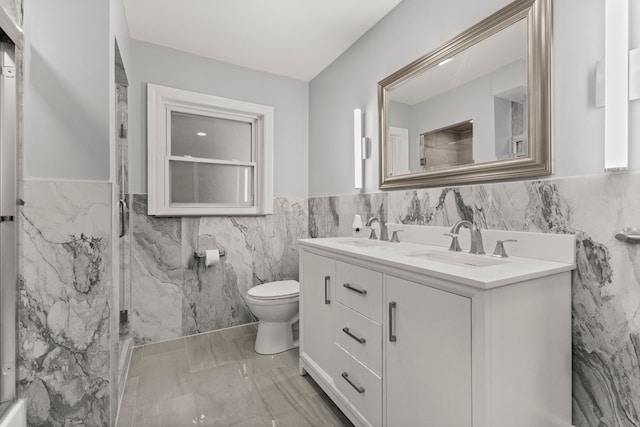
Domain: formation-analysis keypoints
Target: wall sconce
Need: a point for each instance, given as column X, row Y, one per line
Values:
column 616, row 86
column 360, row 148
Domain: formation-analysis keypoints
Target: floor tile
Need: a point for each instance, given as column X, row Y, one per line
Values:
column 136, row 360
column 205, row 351
column 225, row 395
column 255, row 422
column 179, row 411
column 217, row 379
column 329, row 411
column 163, row 376
column 163, row 347
column 249, row 330
column 127, row 406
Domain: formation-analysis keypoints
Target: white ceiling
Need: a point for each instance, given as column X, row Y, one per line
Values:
column 293, row 38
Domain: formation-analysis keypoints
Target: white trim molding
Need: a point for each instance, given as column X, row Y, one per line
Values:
column 161, row 101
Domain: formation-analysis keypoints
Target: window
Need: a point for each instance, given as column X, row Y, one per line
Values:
column 208, row 155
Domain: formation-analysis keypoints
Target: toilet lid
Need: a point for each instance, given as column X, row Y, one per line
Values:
column 271, row 290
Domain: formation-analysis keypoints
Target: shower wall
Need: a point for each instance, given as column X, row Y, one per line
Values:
column 64, row 306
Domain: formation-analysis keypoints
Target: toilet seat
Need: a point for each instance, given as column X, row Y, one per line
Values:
column 275, row 290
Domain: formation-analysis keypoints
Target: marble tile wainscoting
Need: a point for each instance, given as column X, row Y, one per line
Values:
column 605, row 285
column 64, row 303
column 174, row 295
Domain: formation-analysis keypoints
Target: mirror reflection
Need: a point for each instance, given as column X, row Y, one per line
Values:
column 470, row 108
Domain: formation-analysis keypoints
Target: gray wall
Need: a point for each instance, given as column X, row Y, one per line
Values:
column 414, row 28
column 66, row 89
column 173, row 68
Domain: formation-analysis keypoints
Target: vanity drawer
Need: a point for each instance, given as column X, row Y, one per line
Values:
column 360, row 289
column 359, row 385
column 360, row 336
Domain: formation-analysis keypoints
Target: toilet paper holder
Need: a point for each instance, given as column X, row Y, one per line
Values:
column 203, row 254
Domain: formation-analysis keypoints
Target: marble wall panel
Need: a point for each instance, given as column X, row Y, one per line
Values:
column 324, row 218
column 431, row 206
column 258, row 249
column 191, row 298
column 64, row 302
column 156, row 275
column 605, row 285
column 333, row 216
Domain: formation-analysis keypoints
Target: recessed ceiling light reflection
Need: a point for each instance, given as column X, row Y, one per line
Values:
column 201, row 134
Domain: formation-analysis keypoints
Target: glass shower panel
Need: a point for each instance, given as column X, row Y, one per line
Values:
column 8, row 245
column 211, row 183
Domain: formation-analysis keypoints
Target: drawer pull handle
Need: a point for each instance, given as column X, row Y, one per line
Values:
column 360, row 340
column 358, row 388
column 392, row 312
column 326, row 289
column 351, row 288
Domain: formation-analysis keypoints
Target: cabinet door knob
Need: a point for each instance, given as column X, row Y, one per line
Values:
column 351, row 288
column 348, row 332
column 392, row 312
column 326, row 289
column 358, row 388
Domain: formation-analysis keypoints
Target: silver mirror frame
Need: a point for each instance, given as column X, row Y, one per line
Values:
column 538, row 162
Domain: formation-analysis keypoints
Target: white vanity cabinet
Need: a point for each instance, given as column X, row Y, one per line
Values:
column 357, row 328
column 340, row 342
column 428, row 356
column 401, row 342
column 318, row 274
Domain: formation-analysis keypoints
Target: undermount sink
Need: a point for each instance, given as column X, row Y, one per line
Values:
column 364, row 242
column 460, row 259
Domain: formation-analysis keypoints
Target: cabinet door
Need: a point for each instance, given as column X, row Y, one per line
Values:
column 428, row 356
column 317, row 295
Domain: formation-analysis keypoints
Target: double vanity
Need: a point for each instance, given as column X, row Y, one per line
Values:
column 412, row 334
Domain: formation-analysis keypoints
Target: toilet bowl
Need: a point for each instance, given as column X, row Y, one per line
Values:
column 275, row 304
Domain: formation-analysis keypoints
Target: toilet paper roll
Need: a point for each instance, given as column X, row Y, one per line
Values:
column 211, row 257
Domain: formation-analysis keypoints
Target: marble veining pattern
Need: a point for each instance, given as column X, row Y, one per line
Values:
column 64, row 303
column 175, row 295
column 605, row 285
column 156, row 275
column 324, row 219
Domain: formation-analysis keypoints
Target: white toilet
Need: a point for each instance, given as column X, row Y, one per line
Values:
column 275, row 304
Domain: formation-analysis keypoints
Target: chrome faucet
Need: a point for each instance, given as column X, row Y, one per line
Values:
column 477, row 246
column 373, row 230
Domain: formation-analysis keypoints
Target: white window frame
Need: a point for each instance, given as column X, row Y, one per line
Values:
column 161, row 102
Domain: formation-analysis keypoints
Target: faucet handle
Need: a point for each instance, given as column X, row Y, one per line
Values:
column 455, row 245
column 394, row 236
column 499, row 251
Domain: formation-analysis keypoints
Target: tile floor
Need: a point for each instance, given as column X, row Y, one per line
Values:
column 216, row 379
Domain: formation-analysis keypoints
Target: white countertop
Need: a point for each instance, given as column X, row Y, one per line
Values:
column 399, row 255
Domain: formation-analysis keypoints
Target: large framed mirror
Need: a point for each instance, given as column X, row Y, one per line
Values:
column 475, row 109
